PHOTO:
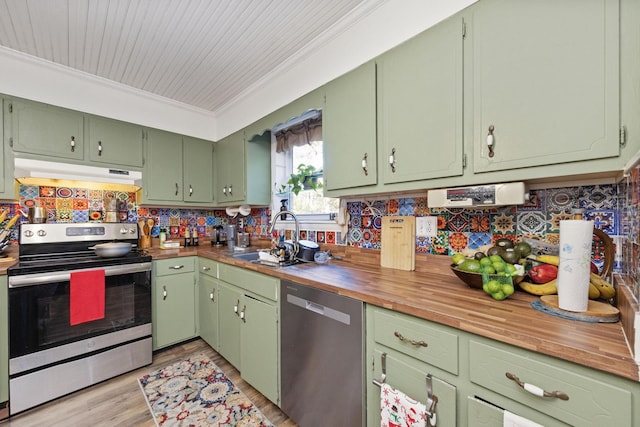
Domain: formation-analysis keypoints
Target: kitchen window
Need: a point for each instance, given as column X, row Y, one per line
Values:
column 298, row 146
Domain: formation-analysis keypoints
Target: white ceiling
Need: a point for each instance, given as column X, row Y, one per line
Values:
column 202, row 53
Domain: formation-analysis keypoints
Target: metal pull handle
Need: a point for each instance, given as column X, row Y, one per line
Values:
column 72, row 143
column 190, row 190
column 164, row 293
column 392, row 160
column 242, row 314
column 177, row 189
column 230, row 190
column 364, row 165
column 176, row 267
column 206, row 268
column 410, row 341
column 224, row 190
column 99, row 148
column 235, row 308
column 490, row 140
column 432, row 401
column 212, row 295
column 533, row 389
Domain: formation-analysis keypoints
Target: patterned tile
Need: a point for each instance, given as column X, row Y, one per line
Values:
column 531, row 222
column 562, row 199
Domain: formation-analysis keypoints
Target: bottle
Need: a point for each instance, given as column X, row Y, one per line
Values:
column 187, row 237
column 283, row 207
column 163, row 237
column 194, row 237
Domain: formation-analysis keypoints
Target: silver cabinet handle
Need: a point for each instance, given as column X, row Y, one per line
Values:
column 490, row 140
column 176, row 267
column 392, row 160
column 242, row 314
column 72, row 143
column 535, row 390
column 410, row 341
column 206, row 268
column 99, row 148
column 235, row 308
column 164, row 293
column 230, row 189
column 176, row 188
column 190, row 190
column 364, row 164
column 224, row 190
column 212, row 295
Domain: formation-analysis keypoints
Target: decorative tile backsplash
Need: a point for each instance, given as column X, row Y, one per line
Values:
column 613, row 208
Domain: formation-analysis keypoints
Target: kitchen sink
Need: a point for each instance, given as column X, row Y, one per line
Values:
column 254, row 257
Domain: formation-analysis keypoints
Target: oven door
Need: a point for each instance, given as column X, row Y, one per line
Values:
column 39, row 311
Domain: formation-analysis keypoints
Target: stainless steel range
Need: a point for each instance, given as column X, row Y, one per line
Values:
column 75, row 319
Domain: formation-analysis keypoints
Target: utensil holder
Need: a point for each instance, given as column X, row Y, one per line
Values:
column 144, row 242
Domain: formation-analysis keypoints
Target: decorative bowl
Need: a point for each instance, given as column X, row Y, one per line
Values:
column 474, row 280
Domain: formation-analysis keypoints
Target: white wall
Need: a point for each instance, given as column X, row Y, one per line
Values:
column 390, row 24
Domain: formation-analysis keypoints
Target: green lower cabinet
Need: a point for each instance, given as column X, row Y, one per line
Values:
column 173, row 301
column 4, row 342
column 208, row 295
column 229, row 318
column 248, row 312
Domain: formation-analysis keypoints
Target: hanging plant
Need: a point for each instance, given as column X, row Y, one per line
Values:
column 305, row 179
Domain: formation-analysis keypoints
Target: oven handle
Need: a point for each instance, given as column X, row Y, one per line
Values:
column 65, row 276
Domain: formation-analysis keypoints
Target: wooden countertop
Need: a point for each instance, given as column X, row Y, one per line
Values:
column 434, row 293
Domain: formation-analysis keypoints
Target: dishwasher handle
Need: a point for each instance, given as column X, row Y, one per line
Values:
column 319, row 309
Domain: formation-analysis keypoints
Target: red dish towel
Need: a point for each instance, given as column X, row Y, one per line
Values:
column 86, row 296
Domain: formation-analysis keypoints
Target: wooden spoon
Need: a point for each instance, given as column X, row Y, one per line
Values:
column 141, row 226
column 150, row 223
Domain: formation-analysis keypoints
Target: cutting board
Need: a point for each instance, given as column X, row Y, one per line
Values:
column 398, row 242
column 594, row 308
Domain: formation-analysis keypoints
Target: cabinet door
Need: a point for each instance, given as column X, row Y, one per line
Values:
column 259, row 342
column 420, row 106
column 409, row 376
column 545, row 76
column 349, row 130
column 230, row 169
column 174, row 309
column 114, row 142
column 46, row 130
column 198, row 170
column 208, row 295
column 229, row 318
column 163, row 168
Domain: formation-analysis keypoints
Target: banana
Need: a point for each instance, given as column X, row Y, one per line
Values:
column 548, row 288
column 594, row 293
column 606, row 289
column 546, row 259
column 3, row 216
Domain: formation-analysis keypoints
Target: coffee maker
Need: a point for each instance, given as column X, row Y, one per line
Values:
column 219, row 236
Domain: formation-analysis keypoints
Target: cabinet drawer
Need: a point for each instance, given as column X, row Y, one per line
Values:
column 260, row 284
column 394, row 329
column 208, row 267
column 166, row 267
column 592, row 402
column 481, row 413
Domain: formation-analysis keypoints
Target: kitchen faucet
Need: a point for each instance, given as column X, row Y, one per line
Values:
column 294, row 238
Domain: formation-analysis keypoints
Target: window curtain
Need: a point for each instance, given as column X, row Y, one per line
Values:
column 298, row 131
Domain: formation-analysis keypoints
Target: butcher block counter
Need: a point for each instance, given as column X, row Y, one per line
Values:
column 432, row 292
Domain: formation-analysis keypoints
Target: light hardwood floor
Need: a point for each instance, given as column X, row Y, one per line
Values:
column 119, row 401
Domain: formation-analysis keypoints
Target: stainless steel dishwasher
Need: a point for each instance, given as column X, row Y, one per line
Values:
column 322, row 351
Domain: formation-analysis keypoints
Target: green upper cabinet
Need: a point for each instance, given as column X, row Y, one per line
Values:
column 162, row 172
column 197, row 166
column 114, row 142
column 45, row 130
column 229, row 168
column 243, row 169
column 544, row 77
column 349, row 130
column 420, row 106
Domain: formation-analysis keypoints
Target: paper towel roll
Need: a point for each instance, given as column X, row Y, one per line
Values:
column 576, row 237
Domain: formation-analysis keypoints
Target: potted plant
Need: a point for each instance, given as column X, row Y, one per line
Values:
column 306, row 178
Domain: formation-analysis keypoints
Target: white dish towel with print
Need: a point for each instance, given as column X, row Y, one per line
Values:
column 399, row 410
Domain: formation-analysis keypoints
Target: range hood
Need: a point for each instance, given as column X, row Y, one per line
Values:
column 27, row 168
column 510, row 193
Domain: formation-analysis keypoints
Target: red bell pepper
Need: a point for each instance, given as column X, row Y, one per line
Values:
column 543, row 273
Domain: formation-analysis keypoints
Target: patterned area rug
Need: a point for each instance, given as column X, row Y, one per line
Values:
column 195, row 392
